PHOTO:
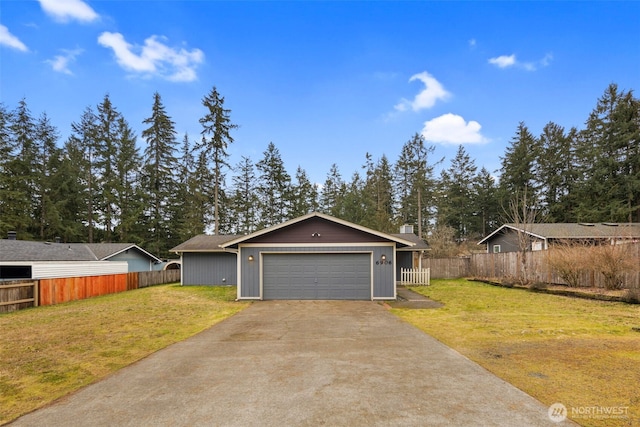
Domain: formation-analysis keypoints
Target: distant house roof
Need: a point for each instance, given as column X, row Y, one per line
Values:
column 205, row 243
column 104, row 251
column 23, row 250
column 573, row 231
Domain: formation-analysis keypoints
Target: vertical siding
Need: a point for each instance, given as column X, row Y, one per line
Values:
column 217, row 268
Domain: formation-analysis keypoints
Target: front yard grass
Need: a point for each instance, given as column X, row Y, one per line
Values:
column 584, row 354
column 48, row 352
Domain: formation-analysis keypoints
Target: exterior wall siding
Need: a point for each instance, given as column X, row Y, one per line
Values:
column 383, row 273
column 55, row 269
column 213, row 268
column 136, row 260
column 403, row 260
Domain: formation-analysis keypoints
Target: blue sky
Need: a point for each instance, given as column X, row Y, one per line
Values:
column 326, row 82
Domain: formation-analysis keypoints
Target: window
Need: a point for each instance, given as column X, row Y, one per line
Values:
column 15, row 272
column 496, row 249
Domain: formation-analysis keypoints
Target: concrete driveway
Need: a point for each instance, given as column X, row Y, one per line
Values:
column 300, row 363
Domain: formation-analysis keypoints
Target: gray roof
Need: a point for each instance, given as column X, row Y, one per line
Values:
column 23, row 250
column 420, row 245
column 205, row 242
column 575, row 230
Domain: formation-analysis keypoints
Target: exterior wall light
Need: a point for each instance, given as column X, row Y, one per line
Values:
column 250, row 257
column 383, row 258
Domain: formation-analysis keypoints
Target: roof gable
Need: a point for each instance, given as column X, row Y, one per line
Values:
column 317, row 228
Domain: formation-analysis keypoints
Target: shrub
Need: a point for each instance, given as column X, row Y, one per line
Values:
column 612, row 261
column 570, row 261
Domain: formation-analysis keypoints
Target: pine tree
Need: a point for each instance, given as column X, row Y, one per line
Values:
column 304, row 195
column 487, row 202
column 45, row 143
column 378, row 195
column 354, row 207
column 245, row 199
column 415, row 182
column 274, row 189
column 518, row 171
column 609, row 158
column 216, row 137
column 82, row 150
column 555, row 172
column 333, row 192
column 107, row 140
column 457, row 202
column 159, row 173
column 21, row 183
column 130, row 197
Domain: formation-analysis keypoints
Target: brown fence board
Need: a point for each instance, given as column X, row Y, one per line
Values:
column 16, row 295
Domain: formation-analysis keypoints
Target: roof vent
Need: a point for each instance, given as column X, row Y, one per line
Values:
column 406, row 229
column 610, row 224
column 587, row 224
column 12, row 235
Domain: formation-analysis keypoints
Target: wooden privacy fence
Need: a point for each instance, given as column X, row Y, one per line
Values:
column 448, row 268
column 414, row 276
column 508, row 265
column 16, row 295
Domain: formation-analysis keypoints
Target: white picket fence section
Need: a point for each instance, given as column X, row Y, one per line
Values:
column 415, row 276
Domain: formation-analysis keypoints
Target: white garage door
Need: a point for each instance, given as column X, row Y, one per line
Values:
column 317, row 276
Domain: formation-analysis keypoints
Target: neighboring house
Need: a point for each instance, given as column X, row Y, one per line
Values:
column 315, row 256
column 21, row 259
column 137, row 258
column 542, row 236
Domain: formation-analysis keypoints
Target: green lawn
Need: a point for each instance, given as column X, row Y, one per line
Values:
column 48, row 352
column 581, row 353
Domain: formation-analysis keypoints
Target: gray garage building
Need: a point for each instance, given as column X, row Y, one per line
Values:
column 315, row 256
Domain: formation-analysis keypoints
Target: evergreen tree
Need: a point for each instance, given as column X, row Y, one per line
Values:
column 130, row 197
column 159, row 174
column 518, row 171
column 333, row 192
column 107, row 139
column 487, row 202
column 415, row 182
column 555, row 172
column 354, row 207
column 216, row 137
column 274, row 189
column 609, row 160
column 458, row 194
column 82, row 151
column 304, row 195
column 245, row 198
column 21, row 182
column 378, row 195
column 45, row 143
column 192, row 204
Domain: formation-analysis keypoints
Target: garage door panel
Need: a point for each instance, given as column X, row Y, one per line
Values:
column 317, row 276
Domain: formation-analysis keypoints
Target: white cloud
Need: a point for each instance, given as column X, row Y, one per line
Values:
column 154, row 58
column 66, row 10
column 8, row 39
column 427, row 98
column 452, row 129
column 60, row 63
column 505, row 61
column 472, row 43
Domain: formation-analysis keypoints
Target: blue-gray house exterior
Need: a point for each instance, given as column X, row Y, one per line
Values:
column 315, row 256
